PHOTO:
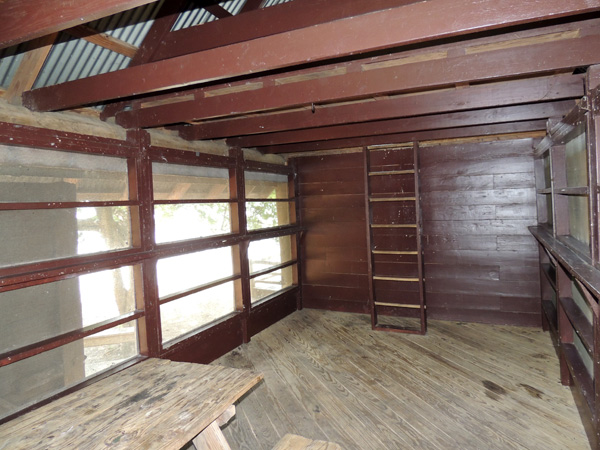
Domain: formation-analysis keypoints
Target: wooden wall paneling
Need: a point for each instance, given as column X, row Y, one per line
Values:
column 334, row 269
column 480, row 263
column 209, row 344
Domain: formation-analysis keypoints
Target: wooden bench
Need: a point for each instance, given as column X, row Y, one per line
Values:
column 295, row 442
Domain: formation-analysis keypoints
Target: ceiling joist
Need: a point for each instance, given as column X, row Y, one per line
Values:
column 488, row 116
column 533, row 60
column 536, row 128
column 423, row 21
column 433, row 102
column 23, row 20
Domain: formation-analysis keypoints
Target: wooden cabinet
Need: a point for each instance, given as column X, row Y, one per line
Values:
column 567, row 201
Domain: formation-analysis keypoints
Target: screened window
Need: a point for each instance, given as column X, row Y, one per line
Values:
column 196, row 289
column 271, row 266
column 190, row 202
column 72, row 309
column 56, row 205
column 268, row 200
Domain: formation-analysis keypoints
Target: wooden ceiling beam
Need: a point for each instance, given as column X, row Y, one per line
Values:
column 421, row 22
column 429, row 122
column 164, row 21
column 538, row 59
column 519, row 128
column 23, row 20
column 218, row 11
column 265, row 22
column 481, row 44
column 487, row 95
column 251, row 5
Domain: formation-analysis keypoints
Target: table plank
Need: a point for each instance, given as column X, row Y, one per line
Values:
column 154, row 404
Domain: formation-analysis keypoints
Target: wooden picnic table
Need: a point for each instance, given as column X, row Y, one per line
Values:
column 155, row 404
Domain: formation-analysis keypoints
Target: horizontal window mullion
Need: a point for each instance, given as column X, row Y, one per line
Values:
column 177, row 202
column 63, row 205
column 198, row 244
column 175, row 156
column 66, row 338
column 265, row 233
column 268, row 270
column 197, row 289
column 264, row 200
column 17, row 277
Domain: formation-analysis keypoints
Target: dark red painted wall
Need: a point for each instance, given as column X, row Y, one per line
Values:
column 332, row 205
column 481, row 263
column 480, row 260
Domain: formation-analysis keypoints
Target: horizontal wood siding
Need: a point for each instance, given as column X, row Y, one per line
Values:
column 480, row 260
column 331, row 192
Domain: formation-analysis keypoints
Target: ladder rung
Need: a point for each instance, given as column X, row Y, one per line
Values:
column 395, row 279
column 391, row 172
column 386, row 225
column 399, row 305
column 393, row 252
column 392, row 199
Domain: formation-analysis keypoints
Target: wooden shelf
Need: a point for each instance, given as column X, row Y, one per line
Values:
column 578, row 265
column 550, row 311
column 550, row 273
column 581, row 325
column 545, row 191
column 580, row 375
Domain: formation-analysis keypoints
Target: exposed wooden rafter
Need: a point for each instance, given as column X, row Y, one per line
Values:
column 472, row 97
column 536, row 128
column 23, row 20
column 405, row 125
column 273, row 20
column 316, row 43
column 251, row 5
column 103, row 40
column 414, row 77
column 29, row 68
column 164, row 21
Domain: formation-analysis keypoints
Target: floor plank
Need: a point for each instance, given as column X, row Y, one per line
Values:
column 328, row 376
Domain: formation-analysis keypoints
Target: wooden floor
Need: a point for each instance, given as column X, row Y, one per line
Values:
column 463, row 386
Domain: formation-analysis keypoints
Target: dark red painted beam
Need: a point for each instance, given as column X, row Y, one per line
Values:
column 479, row 96
column 251, row 5
column 23, row 20
column 512, row 62
column 420, row 22
column 164, row 21
column 273, row 20
column 421, row 123
column 450, row 133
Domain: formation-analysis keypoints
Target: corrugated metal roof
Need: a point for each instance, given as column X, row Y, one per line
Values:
column 72, row 58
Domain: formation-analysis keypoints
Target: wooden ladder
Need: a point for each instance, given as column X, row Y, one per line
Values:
column 395, row 259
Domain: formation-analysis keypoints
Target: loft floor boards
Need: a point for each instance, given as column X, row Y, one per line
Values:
column 328, row 376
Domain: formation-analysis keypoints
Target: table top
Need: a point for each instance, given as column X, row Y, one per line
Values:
column 156, row 404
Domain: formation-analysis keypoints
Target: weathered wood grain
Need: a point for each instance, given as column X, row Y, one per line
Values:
column 466, row 386
column 156, row 404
